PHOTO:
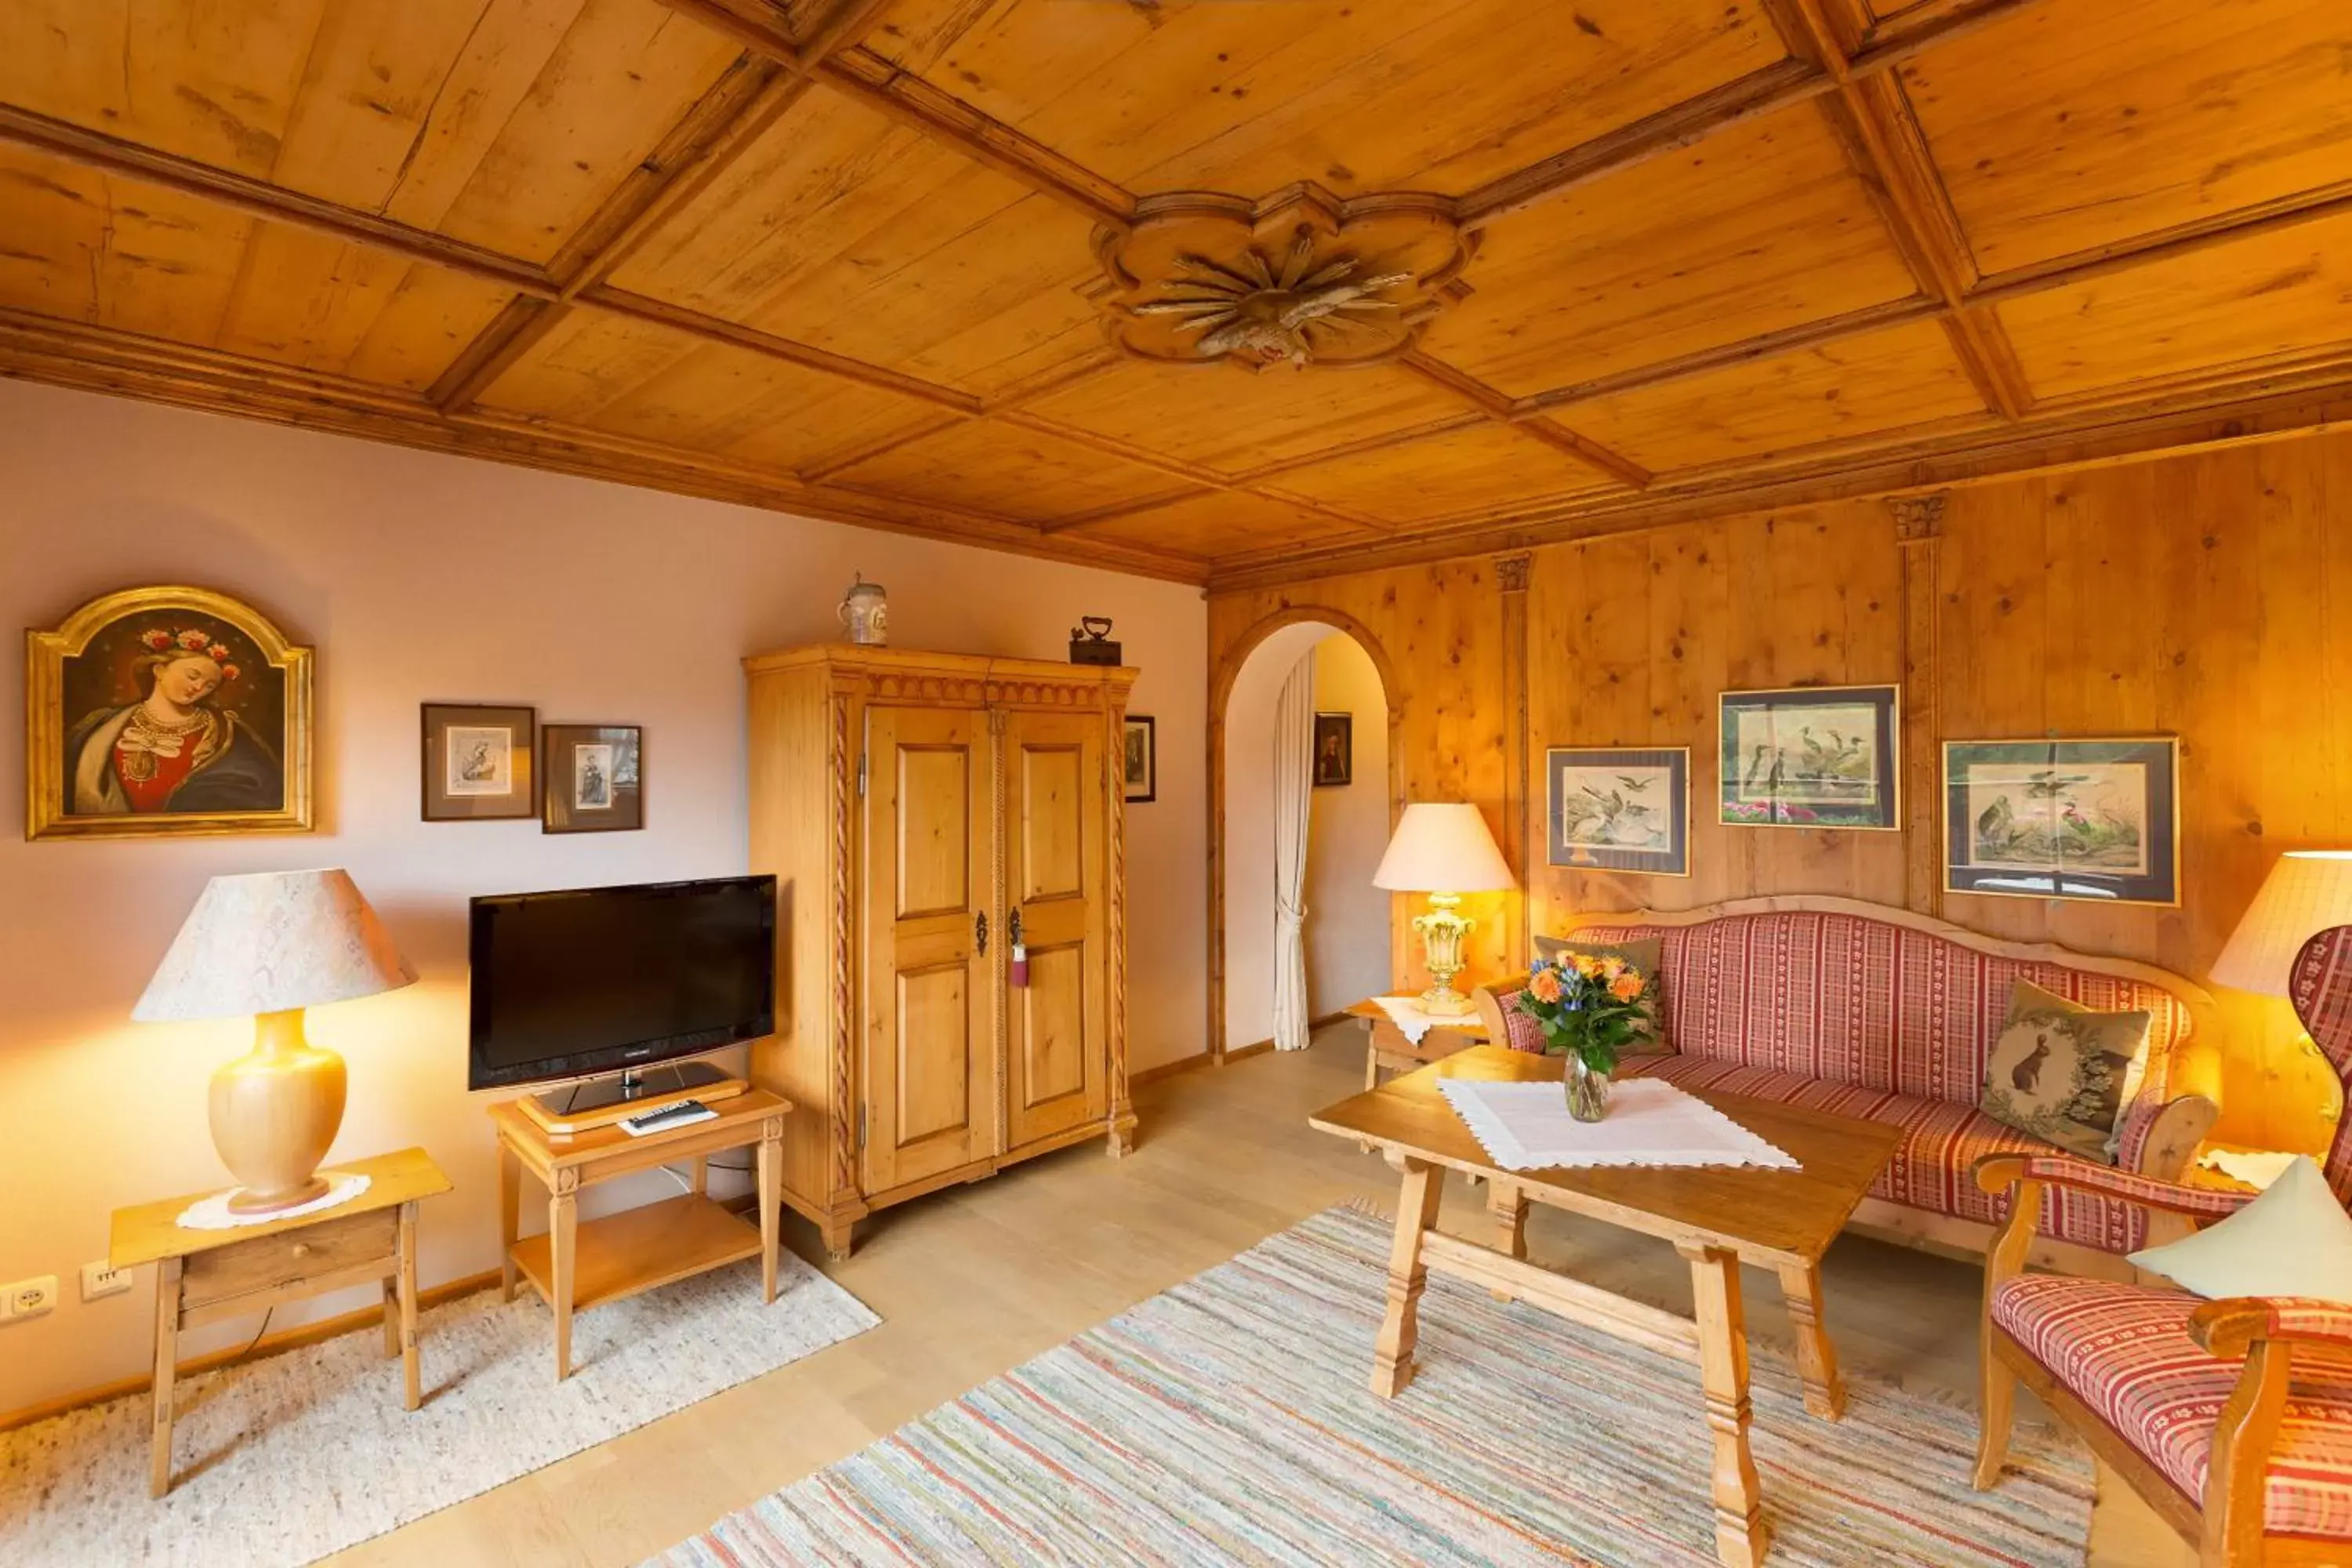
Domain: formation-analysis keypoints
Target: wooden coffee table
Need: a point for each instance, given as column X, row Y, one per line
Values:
column 1718, row 1217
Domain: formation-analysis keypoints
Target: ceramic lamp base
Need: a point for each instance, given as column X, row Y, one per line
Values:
column 275, row 1113
column 1444, row 1002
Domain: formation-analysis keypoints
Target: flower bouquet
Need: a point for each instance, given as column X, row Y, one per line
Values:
column 1591, row 1009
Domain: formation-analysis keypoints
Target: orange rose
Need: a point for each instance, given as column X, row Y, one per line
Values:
column 1544, row 984
column 1626, row 988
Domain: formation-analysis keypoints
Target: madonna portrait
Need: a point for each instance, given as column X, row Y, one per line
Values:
column 166, row 711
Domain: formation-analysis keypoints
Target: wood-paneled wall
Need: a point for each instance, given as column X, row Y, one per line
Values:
column 2205, row 596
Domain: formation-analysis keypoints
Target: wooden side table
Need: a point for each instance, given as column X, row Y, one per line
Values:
column 204, row 1276
column 1389, row 1050
column 575, row 1267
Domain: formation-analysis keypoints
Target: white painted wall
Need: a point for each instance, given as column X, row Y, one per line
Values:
column 1346, row 917
column 419, row 576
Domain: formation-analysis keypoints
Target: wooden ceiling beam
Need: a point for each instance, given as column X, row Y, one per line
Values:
column 1873, row 122
column 258, row 198
column 719, row 129
column 1503, row 410
column 103, row 359
column 864, row 76
column 2047, row 443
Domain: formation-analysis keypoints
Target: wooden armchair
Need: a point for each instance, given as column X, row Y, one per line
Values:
column 2189, row 1400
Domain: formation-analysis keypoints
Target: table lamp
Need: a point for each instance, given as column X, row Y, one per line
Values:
column 1444, row 850
column 271, row 944
column 2307, row 891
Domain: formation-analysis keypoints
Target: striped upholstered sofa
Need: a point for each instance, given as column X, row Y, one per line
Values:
column 1879, row 1013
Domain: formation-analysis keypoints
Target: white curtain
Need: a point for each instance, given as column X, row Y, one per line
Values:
column 1293, row 785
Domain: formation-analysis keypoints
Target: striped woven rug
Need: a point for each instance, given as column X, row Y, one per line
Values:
column 1229, row 1421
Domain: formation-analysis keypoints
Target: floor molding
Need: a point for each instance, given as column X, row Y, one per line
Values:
column 1259, row 1048
column 269, row 1345
column 1170, row 1069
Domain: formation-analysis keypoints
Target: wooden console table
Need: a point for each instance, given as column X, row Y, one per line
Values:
column 204, row 1276
column 575, row 1267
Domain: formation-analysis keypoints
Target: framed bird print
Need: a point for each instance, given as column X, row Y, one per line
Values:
column 1619, row 809
column 2097, row 819
column 1810, row 756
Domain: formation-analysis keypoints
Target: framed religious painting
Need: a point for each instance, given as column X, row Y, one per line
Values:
column 594, row 780
column 1619, row 808
column 478, row 763
column 165, row 712
column 1810, row 756
column 2092, row 819
column 1140, row 759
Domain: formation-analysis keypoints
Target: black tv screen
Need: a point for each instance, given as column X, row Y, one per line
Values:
column 597, row 978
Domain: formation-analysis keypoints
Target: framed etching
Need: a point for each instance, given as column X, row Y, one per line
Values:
column 595, row 779
column 1619, row 808
column 477, row 763
column 1810, row 756
column 2095, row 819
column 1335, row 749
column 1139, row 759
column 165, row 712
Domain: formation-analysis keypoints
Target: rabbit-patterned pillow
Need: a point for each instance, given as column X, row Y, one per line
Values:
column 2063, row 1072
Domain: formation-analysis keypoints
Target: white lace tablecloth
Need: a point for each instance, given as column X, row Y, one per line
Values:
column 2255, row 1167
column 1405, row 1012
column 1527, row 1127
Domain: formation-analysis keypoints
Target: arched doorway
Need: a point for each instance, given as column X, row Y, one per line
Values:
column 1349, row 944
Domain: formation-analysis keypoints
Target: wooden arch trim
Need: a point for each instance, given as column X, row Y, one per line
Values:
column 1224, row 670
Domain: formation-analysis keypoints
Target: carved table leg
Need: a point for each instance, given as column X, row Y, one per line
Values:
column 1508, row 1204
column 1816, row 1357
column 1739, row 1532
column 167, row 1370
column 411, row 1381
column 562, row 1236
column 772, row 1166
column 509, row 1219
column 1401, row 1326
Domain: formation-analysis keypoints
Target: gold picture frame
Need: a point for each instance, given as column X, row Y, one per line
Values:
column 238, row 759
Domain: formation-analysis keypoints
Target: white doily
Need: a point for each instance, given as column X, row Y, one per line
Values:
column 214, row 1212
column 1527, row 1127
column 2255, row 1167
column 1405, row 1012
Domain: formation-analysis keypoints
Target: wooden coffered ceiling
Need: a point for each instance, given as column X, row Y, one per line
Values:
column 846, row 258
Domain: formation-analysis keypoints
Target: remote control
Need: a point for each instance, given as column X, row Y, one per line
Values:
column 679, row 1115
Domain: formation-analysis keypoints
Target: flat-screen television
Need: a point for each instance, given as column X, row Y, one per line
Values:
column 595, row 979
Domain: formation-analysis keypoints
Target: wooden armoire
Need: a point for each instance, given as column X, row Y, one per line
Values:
column 923, row 813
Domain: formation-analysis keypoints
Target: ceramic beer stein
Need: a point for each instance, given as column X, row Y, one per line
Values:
column 866, row 614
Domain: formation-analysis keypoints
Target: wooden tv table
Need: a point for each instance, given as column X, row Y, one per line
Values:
column 575, row 1266
column 1718, row 1217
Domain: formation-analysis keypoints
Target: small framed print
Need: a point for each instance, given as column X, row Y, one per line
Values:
column 1810, row 756
column 595, row 778
column 1139, row 759
column 1335, row 749
column 477, row 763
column 2092, row 819
column 1619, row 808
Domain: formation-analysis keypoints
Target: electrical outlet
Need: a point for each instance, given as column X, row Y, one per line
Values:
column 98, row 1280
column 31, row 1298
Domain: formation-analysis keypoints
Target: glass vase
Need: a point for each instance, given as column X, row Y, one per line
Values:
column 1587, row 1089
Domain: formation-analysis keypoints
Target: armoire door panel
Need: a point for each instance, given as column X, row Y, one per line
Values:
column 933, row 1051
column 1057, row 1054
column 1053, row 1030
column 935, row 823
column 1052, row 830
column 929, row 992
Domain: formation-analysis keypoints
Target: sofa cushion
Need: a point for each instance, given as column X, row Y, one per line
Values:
column 1867, row 1002
column 1932, row 1168
column 2125, row 1352
column 2063, row 1072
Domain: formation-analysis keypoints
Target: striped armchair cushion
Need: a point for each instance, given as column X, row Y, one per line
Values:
column 1865, row 1002
column 2125, row 1352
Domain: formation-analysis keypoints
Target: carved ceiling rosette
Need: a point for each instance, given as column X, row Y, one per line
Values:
column 1299, row 279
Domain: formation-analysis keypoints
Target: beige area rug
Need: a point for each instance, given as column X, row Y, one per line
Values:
column 284, row 1460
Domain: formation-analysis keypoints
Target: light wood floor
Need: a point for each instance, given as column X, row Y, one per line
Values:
column 971, row 1282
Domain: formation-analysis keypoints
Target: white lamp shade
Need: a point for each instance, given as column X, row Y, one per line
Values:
column 271, row 941
column 2307, row 891
column 1443, row 848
